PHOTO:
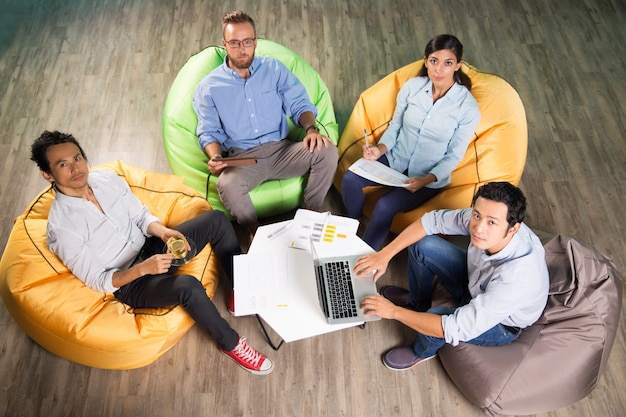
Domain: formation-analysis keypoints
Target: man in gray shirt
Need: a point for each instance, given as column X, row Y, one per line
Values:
column 500, row 283
column 112, row 243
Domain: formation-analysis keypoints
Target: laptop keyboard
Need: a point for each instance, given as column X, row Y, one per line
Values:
column 342, row 302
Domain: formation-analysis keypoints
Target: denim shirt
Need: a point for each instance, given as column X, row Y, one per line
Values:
column 92, row 244
column 244, row 113
column 508, row 287
column 425, row 137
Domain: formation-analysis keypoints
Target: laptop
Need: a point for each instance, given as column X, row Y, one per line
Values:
column 339, row 290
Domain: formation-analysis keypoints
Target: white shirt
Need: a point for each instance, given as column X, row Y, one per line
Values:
column 94, row 245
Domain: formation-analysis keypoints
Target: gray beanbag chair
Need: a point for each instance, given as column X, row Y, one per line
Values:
column 558, row 360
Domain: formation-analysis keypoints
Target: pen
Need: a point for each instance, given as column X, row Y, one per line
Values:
column 279, row 231
column 367, row 141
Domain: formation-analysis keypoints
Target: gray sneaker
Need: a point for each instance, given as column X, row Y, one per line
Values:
column 402, row 358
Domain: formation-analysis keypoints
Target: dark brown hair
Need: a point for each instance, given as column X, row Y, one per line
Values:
column 47, row 139
column 237, row 16
column 450, row 42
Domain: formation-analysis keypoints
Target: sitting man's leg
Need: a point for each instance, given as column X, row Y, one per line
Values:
column 292, row 159
column 164, row 290
column 431, row 256
column 213, row 227
column 426, row 347
column 234, row 185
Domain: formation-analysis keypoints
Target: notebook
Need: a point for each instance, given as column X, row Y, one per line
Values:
column 339, row 290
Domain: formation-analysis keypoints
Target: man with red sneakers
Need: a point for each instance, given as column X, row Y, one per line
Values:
column 110, row 241
column 500, row 283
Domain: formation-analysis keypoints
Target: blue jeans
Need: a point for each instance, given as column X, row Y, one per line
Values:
column 395, row 200
column 433, row 256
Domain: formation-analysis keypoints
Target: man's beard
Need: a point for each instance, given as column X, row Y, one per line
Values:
column 236, row 63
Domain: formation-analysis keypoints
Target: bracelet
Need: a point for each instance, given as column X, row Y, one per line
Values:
column 317, row 129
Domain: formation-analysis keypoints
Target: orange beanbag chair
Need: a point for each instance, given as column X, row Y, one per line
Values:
column 74, row 322
column 497, row 151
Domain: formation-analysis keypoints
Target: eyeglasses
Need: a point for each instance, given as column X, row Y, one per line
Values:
column 237, row 44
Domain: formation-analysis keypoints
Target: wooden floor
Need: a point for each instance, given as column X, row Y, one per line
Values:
column 101, row 70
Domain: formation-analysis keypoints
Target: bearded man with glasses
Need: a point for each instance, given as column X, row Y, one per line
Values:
column 242, row 109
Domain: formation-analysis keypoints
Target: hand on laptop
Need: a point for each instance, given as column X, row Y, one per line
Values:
column 377, row 305
column 374, row 263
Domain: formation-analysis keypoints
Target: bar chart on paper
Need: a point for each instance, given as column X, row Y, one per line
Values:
column 311, row 226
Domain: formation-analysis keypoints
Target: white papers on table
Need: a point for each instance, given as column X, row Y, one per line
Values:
column 295, row 312
column 276, row 278
column 378, row 172
column 261, row 282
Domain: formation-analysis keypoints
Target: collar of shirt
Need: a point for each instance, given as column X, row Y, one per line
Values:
column 453, row 92
column 252, row 68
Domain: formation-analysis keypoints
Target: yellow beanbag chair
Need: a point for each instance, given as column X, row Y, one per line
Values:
column 74, row 322
column 497, row 151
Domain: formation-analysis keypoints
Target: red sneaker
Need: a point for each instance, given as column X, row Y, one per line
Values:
column 250, row 359
column 231, row 303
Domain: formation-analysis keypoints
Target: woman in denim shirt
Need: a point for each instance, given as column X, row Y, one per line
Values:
column 432, row 125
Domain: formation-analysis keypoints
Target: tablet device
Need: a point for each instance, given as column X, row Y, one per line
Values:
column 236, row 161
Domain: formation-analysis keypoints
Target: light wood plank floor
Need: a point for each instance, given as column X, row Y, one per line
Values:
column 102, row 69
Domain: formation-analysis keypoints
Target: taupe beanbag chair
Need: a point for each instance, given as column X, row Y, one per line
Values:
column 557, row 361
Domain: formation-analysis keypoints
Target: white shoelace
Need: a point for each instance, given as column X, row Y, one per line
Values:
column 247, row 352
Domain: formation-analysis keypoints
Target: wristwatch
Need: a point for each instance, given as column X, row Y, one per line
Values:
column 317, row 129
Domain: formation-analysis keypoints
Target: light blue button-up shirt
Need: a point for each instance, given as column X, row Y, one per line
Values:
column 430, row 138
column 92, row 244
column 508, row 287
column 245, row 113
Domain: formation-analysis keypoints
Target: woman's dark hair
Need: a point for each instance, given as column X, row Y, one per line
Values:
column 47, row 139
column 507, row 193
column 450, row 42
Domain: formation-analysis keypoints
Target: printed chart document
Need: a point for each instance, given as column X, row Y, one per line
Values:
column 378, row 172
column 329, row 231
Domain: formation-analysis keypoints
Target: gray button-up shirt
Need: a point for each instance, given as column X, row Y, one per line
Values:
column 509, row 287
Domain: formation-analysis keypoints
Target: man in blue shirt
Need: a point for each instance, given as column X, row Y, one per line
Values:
column 113, row 244
column 242, row 109
column 500, row 283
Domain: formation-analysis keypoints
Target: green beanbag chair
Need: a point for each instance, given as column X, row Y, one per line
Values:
column 188, row 160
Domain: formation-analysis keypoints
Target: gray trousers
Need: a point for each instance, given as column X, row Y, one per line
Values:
column 277, row 160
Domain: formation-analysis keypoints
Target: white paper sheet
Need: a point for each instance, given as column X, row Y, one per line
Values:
column 261, row 283
column 378, row 172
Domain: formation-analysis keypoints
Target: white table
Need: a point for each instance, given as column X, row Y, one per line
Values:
column 277, row 282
